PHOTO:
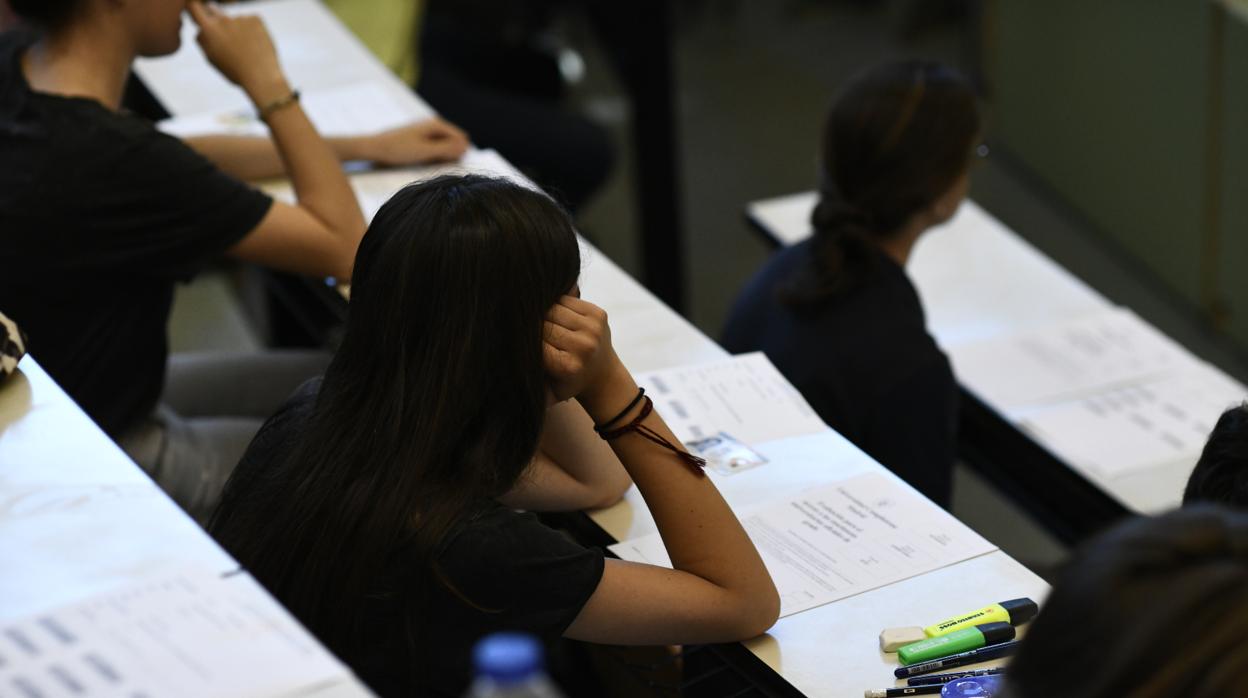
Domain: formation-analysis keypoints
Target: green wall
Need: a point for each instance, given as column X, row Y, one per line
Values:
column 1106, row 100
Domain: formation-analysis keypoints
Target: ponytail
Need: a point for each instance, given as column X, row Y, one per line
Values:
column 841, row 251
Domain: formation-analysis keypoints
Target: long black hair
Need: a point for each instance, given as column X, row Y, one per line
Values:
column 432, row 405
column 47, row 14
column 1157, row 606
column 897, row 138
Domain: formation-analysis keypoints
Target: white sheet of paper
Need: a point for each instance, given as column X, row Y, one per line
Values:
column 842, row 539
column 352, row 110
column 744, row 396
column 1135, row 427
column 375, row 188
column 315, row 49
column 193, row 635
column 1066, row 360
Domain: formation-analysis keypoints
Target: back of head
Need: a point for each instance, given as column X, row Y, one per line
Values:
column 1221, row 474
column 432, row 405
column 46, row 14
column 899, row 137
column 1154, row 607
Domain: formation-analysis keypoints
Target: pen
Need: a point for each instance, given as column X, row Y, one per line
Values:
column 1004, row 649
column 904, row 691
column 946, row 678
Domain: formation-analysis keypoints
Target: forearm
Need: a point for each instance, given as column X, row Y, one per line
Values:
column 314, row 169
column 571, row 444
column 251, row 158
column 699, row 530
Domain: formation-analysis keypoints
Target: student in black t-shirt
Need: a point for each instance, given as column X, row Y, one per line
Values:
column 378, row 505
column 100, row 214
column 837, row 313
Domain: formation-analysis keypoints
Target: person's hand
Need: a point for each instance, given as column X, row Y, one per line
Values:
column 241, row 49
column 431, row 140
column 580, row 361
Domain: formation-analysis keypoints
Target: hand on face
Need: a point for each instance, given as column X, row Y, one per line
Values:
column 577, row 347
column 431, row 140
column 241, row 49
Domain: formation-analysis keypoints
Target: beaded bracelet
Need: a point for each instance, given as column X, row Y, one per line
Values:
column 276, row 105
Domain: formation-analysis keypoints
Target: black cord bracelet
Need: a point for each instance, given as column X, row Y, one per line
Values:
column 641, row 392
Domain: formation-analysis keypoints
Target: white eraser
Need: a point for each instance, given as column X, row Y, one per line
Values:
column 893, row 639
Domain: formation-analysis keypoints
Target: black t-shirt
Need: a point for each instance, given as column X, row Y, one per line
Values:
column 519, row 573
column 864, row 361
column 100, row 214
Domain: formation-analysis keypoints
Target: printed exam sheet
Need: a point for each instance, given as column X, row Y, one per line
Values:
column 842, row 539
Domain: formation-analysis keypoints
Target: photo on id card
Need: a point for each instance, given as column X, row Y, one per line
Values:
column 725, row 454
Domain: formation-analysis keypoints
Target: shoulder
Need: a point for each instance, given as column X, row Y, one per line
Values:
column 281, row 431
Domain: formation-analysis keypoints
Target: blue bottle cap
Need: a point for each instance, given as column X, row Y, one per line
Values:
column 972, row 687
column 507, row 657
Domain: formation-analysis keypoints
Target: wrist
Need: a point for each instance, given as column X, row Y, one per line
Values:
column 267, row 89
column 607, row 396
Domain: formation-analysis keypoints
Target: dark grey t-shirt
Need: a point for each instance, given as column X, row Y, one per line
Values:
column 100, row 214
column 518, row 573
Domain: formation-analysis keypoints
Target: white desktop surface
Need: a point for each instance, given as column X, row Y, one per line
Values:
column 78, row 518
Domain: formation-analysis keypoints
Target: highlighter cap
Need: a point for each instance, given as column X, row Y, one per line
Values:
column 1020, row 610
column 996, row 632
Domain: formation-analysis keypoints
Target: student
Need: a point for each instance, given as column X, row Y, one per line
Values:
column 1155, row 607
column 378, row 505
column 1221, row 474
column 837, row 313
column 100, row 214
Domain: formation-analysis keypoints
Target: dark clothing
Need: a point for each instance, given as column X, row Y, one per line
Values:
column 518, row 573
column 864, row 361
column 100, row 214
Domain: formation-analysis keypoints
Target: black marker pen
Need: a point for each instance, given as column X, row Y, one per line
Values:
column 982, row 654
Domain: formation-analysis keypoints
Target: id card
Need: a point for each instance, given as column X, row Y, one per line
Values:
column 725, row 454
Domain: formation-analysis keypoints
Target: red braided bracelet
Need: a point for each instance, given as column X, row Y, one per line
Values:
column 695, row 463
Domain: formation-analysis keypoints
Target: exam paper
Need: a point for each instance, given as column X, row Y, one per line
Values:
column 1136, row 427
column 354, row 110
column 842, row 539
column 1066, row 360
column 374, row 188
column 744, row 396
column 194, row 635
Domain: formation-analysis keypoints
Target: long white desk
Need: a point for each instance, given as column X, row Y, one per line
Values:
column 979, row 280
column 829, row 651
column 79, row 520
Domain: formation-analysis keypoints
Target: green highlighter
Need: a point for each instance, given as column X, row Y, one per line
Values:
column 958, row 641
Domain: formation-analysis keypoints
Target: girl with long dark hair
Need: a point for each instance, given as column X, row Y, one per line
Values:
column 377, row 505
column 837, row 313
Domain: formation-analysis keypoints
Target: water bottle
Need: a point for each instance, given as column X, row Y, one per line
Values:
column 509, row 665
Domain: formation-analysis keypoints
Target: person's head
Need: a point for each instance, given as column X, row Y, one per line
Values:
column 896, row 154
column 432, row 405
column 1221, row 474
column 149, row 27
column 1154, row 607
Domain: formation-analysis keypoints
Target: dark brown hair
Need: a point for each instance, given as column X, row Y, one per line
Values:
column 431, row 407
column 897, row 138
column 1155, row 607
column 1221, row 474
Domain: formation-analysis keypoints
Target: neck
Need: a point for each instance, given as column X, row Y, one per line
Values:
column 80, row 61
column 899, row 245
